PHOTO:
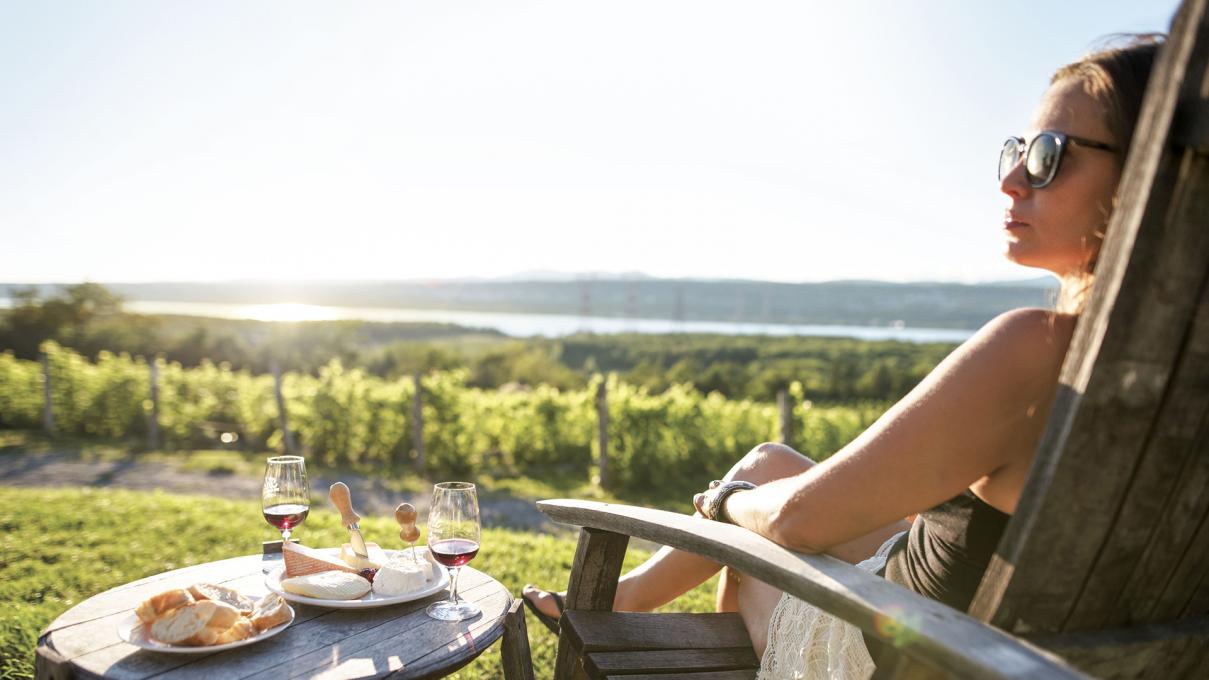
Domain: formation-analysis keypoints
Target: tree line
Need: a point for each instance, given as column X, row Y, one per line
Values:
column 90, row 319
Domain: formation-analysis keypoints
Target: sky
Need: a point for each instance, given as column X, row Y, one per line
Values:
column 785, row 141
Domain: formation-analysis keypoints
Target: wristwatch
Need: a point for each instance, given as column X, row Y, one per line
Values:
column 717, row 506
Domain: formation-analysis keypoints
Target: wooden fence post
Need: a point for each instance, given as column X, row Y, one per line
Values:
column 48, row 411
column 785, row 409
column 287, row 436
column 602, row 435
column 417, row 419
column 153, row 417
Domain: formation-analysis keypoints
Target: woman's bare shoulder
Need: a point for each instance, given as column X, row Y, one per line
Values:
column 1016, row 356
column 1024, row 350
column 1027, row 337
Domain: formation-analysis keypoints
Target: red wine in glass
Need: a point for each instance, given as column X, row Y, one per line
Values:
column 454, row 552
column 285, row 497
column 286, row 516
column 453, row 540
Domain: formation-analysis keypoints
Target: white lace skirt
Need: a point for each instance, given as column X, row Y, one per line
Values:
column 807, row 643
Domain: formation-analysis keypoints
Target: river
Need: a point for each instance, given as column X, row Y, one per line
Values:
column 547, row 325
column 527, row 325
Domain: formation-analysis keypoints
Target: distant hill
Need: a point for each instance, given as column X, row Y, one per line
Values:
column 855, row 303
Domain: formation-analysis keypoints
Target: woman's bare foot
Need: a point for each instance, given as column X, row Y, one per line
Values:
column 546, row 605
column 544, row 600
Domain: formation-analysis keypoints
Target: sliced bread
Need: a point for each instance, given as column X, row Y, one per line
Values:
column 242, row 629
column 270, row 611
column 195, row 624
column 209, row 591
column 157, row 605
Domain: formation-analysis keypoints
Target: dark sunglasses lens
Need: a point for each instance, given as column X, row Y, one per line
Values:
column 1009, row 156
column 1042, row 161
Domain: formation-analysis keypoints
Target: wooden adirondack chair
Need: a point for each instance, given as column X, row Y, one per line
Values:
column 1104, row 568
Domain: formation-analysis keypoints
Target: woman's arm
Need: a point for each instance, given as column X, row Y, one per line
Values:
column 979, row 412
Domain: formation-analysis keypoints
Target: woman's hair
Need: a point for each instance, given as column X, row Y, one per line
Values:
column 1115, row 76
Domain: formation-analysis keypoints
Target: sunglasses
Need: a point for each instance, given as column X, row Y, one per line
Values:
column 1042, row 156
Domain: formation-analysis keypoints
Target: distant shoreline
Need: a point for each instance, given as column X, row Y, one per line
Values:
column 613, row 306
column 522, row 325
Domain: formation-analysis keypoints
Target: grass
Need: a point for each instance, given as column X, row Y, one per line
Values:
column 219, row 462
column 59, row 547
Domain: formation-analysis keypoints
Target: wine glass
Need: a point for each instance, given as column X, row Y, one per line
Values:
column 453, row 540
column 285, row 497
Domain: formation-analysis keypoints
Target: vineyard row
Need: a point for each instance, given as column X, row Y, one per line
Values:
column 345, row 417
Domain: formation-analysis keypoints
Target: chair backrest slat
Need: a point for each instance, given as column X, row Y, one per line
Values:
column 1191, row 573
column 1104, row 475
column 1165, row 577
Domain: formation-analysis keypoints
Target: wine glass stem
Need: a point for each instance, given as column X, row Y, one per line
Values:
column 285, row 535
column 453, row 584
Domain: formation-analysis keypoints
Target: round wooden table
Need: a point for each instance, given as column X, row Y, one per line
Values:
column 398, row 641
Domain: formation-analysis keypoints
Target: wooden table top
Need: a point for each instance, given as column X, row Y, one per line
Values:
column 398, row 640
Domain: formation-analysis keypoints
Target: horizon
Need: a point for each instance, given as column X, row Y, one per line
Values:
column 850, row 308
column 787, row 142
column 540, row 277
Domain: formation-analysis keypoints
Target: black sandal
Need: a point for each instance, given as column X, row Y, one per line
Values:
column 547, row 620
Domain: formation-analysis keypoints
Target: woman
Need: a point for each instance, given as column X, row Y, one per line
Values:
column 957, row 449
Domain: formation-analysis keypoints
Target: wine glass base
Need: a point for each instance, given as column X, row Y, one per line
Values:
column 448, row 610
column 270, row 562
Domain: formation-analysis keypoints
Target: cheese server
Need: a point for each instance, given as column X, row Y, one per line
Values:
column 344, row 503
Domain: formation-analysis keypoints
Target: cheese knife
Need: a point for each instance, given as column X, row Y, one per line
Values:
column 344, row 503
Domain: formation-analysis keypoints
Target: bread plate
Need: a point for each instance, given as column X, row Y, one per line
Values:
column 133, row 631
column 272, row 581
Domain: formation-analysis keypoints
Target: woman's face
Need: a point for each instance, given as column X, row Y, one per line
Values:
column 1059, row 227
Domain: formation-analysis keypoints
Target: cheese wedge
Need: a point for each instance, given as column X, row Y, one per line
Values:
column 400, row 576
column 376, row 558
column 327, row 585
column 301, row 560
column 424, row 557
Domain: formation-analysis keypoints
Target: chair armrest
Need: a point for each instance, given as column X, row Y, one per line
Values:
column 922, row 629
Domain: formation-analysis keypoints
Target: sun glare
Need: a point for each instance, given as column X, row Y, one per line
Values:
column 288, row 311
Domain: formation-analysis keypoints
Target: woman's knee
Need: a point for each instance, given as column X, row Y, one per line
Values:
column 769, row 461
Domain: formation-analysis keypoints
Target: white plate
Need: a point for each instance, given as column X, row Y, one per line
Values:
column 132, row 630
column 272, row 581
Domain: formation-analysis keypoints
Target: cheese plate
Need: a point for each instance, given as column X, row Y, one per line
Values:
column 272, row 581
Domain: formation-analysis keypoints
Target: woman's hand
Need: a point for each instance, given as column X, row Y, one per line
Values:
column 702, row 500
column 712, row 503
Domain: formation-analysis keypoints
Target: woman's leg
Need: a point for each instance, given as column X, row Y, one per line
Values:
column 755, row 601
column 670, row 573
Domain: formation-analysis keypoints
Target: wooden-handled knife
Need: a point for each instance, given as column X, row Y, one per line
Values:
column 344, row 503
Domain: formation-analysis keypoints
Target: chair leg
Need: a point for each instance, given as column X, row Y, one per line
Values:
column 592, row 586
column 518, row 659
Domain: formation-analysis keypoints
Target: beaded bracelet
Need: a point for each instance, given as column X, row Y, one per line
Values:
column 717, row 506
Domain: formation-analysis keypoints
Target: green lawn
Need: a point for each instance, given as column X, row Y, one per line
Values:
column 60, row 546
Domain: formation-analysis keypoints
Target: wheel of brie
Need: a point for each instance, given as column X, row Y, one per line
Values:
column 328, row 585
column 399, row 576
